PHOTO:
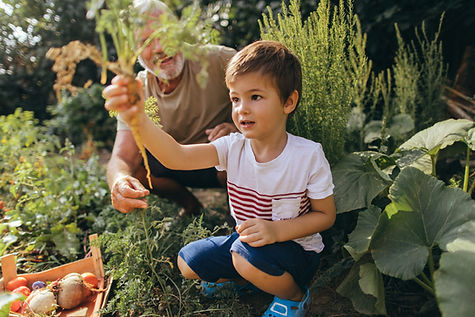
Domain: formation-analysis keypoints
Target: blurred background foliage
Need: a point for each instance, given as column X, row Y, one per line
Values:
column 29, row 28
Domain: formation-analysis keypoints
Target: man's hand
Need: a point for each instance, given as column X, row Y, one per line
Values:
column 220, row 130
column 125, row 194
column 257, row 232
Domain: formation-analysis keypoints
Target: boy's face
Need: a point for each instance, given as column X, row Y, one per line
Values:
column 258, row 111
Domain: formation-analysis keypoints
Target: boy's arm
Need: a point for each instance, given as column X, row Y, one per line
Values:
column 259, row 232
column 169, row 152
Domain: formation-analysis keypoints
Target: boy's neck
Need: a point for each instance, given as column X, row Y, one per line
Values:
column 267, row 150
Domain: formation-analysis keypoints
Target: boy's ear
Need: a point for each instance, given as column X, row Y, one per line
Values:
column 291, row 102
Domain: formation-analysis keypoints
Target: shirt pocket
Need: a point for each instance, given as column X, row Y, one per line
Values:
column 286, row 208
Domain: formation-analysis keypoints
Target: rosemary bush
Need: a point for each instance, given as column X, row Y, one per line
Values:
column 324, row 44
column 403, row 99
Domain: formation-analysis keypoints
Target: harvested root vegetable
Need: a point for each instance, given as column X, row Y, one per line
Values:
column 71, row 291
column 41, row 301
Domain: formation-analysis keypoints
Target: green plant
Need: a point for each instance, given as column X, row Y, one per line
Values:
column 141, row 257
column 407, row 219
column 52, row 195
column 77, row 119
column 402, row 99
column 323, row 43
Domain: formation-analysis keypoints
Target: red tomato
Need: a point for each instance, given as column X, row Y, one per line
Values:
column 15, row 306
column 16, row 282
column 2, row 204
column 23, row 290
column 91, row 279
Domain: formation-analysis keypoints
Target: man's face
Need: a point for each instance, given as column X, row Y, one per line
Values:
column 156, row 61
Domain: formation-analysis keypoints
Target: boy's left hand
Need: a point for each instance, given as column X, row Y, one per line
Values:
column 257, row 232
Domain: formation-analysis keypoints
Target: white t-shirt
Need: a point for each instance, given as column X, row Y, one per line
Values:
column 279, row 189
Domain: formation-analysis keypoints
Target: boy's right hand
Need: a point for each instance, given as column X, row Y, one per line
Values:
column 116, row 97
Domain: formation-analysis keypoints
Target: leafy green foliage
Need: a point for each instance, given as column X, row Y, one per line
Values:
column 402, row 99
column 402, row 236
column 52, row 195
column 141, row 256
column 28, row 29
column 78, row 119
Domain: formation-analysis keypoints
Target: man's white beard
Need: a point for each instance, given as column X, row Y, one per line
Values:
column 170, row 72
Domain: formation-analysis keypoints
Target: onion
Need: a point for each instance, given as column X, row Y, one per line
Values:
column 41, row 301
column 71, row 291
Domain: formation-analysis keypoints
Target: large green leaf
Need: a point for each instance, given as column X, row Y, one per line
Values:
column 358, row 180
column 455, row 283
column 365, row 288
column 360, row 238
column 423, row 213
column 439, row 136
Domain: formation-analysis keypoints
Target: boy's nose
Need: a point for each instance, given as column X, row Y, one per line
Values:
column 243, row 108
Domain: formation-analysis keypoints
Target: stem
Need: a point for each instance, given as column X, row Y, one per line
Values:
column 433, row 159
column 467, row 169
column 431, row 265
column 424, row 286
column 426, row 279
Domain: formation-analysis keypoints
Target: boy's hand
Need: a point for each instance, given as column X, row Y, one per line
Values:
column 117, row 98
column 257, row 232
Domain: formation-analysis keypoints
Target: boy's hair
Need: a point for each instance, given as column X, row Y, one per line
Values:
column 270, row 58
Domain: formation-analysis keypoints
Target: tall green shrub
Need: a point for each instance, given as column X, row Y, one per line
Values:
column 327, row 43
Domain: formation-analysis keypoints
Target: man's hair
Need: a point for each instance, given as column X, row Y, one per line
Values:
column 269, row 58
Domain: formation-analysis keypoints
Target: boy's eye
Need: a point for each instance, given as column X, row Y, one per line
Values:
column 234, row 99
column 256, row 97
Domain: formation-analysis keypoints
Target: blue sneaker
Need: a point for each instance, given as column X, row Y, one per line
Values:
column 288, row 308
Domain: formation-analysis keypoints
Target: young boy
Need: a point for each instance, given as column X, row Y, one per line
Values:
column 280, row 185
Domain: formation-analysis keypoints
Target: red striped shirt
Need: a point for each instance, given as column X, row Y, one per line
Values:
column 248, row 203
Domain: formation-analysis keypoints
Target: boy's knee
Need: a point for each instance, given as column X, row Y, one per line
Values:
column 185, row 270
column 242, row 266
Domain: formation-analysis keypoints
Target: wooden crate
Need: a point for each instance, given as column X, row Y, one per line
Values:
column 89, row 308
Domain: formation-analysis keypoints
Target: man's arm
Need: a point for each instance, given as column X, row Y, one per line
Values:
column 125, row 159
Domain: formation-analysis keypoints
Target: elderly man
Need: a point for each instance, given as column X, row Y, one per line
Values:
column 189, row 113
